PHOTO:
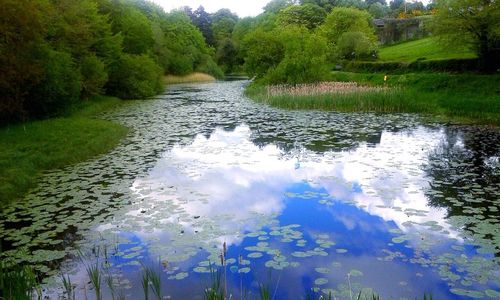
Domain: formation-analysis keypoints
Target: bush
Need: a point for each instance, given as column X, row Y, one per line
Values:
column 448, row 65
column 59, row 89
column 357, row 45
column 94, row 75
column 135, row 77
column 208, row 65
column 304, row 60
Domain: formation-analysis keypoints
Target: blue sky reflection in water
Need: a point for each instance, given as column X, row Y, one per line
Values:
column 296, row 221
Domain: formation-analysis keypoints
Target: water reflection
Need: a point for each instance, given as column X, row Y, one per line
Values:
column 312, row 196
column 317, row 221
column 465, row 180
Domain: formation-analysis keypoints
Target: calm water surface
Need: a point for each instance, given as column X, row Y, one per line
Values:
column 306, row 202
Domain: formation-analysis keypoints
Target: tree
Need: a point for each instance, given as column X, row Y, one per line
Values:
column 135, row 77
column 226, row 55
column 274, row 6
column 475, row 23
column 355, row 45
column 204, row 23
column 377, row 10
column 346, row 19
column 136, row 30
column 263, row 51
column 223, row 22
column 304, row 58
column 22, row 28
column 326, row 4
column 308, row 15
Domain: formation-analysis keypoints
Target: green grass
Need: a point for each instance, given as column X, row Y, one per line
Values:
column 423, row 49
column 462, row 98
column 29, row 149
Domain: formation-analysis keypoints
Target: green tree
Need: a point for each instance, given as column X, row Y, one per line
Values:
column 226, row 55
column 355, row 45
column 94, row 75
column 136, row 30
column 186, row 47
column 346, row 19
column 475, row 23
column 378, row 10
column 223, row 22
column 304, row 57
column 135, row 77
column 22, row 28
column 263, row 51
column 59, row 89
column 308, row 15
column 274, row 6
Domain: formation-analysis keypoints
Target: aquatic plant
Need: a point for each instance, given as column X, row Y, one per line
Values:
column 145, row 285
column 152, row 278
column 264, row 292
column 93, row 270
column 214, row 292
column 194, row 77
column 449, row 96
column 68, row 287
column 94, row 273
column 19, row 283
column 321, row 88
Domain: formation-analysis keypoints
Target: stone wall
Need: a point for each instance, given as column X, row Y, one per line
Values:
column 391, row 31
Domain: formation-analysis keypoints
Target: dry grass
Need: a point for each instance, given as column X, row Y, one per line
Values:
column 321, row 88
column 194, row 77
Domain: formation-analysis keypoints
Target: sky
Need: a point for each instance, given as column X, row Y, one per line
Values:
column 242, row 8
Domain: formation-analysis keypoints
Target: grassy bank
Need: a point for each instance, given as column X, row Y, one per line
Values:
column 29, row 149
column 194, row 77
column 464, row 98
column 422, row 49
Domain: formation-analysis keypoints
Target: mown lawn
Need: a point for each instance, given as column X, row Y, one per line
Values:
column 29, row 149
column 423, row 49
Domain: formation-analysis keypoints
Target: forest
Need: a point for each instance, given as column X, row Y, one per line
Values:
column 57, row 53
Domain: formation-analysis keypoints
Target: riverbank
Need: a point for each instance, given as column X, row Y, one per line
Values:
column 194, row 77
column 461, row 98
column 29, row 149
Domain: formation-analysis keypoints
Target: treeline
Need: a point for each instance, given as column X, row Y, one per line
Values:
column 54, row 53
column 302, row 41
column 295, row 43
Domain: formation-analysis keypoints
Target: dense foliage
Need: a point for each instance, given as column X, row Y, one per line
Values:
column 55, row 53
column 301, row 43
column 472, row 22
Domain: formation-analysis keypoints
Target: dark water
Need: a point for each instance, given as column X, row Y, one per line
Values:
column 307, row 203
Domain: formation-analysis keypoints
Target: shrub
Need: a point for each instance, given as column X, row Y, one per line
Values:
column 448, row 65
column 94, row 75
column 355, row 45
column 135, row 77
column 179, row 64
column 59, row 89
column 208, row 65
column 304, row 60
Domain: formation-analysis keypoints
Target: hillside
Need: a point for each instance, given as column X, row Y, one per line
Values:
column 423, row 49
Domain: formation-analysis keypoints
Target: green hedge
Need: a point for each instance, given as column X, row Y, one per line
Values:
column 448, row 65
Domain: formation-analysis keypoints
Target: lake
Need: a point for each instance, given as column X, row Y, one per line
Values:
column 212, row 188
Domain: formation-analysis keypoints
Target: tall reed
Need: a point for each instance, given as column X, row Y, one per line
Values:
column 19, row 283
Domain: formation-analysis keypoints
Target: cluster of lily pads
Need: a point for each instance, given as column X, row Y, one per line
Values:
column 114, row 201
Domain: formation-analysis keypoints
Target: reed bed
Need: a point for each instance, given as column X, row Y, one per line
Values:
column 342, row 97
column 194, row 77
column 321, row 88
